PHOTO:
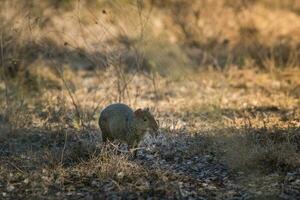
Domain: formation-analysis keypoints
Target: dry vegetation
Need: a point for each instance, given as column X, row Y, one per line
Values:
column 222, row 77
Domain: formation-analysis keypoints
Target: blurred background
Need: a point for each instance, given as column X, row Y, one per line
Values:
column 226, row 70
column 167, row 37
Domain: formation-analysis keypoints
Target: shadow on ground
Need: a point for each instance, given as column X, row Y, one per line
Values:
column 51, row 164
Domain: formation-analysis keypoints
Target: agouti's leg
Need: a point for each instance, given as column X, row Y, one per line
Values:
column 104, row 127
column 133, row 149
column 104, row 138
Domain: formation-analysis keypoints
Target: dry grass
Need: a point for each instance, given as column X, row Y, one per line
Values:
column 249, row 129
column 231, row 87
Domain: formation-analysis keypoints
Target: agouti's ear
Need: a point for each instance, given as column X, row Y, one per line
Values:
column 138, row 112
column 146, row 109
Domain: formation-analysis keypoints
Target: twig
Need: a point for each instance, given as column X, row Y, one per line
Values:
column 14, row 166
column 68, row 90
column 64, row 148
column 1, row 48
column 122, row 151
column 117, row 148
column 4, row 74
column 147, row 17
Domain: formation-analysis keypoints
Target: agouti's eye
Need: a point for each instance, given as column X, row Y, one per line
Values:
column 145, row 119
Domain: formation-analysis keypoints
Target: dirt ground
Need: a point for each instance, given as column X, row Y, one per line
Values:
column 232, row 135
column 225, row 90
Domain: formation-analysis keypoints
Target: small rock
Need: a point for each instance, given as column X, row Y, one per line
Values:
column 26, row 181
column 10, row 188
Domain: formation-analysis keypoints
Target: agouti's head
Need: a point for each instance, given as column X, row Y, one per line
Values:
column 145, row 120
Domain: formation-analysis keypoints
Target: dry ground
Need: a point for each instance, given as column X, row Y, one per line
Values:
column 223, row 135
column 224, row 85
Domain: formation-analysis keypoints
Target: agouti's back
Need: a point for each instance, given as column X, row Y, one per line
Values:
column 115, row 121
column 118, row 121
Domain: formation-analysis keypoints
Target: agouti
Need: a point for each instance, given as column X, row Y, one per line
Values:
column 119, row 122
